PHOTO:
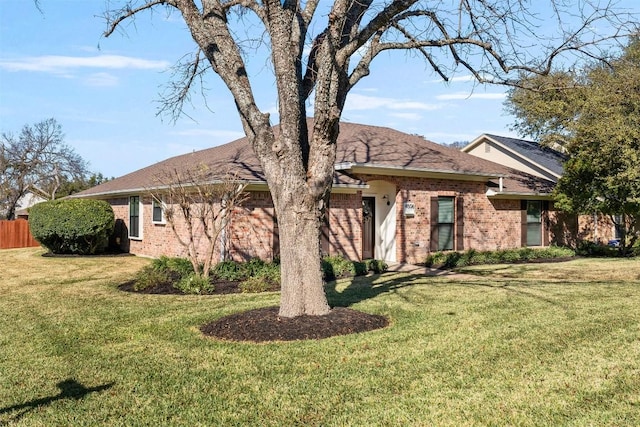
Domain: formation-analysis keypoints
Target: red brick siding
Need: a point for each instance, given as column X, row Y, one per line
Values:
column 345, row 225
column 489, row 224
column 253, row 230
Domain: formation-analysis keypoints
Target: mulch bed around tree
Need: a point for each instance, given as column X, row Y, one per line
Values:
column 264, row 324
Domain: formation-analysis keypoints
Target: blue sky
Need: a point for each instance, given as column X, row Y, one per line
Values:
column 105, row 91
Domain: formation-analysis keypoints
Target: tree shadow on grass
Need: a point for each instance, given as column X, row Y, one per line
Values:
column 363, row 288
column 366, row 287
column 69, row 389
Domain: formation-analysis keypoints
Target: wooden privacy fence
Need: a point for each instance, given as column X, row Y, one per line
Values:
column 16, row 234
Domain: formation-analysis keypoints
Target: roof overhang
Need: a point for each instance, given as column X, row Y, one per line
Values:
column 390, row 170
column 250, row 186
column 518, row 195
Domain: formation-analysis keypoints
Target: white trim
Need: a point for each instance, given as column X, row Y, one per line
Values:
column 163, row 206
column 473, row 144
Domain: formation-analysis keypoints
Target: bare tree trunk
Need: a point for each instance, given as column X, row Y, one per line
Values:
column 302, row 286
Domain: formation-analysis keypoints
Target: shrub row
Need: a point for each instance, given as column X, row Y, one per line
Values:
column 255, row 275
column 335, row 267
column 473, row 257
column 591, row 249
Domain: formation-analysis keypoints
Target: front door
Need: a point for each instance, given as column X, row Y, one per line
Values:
column 368, row 226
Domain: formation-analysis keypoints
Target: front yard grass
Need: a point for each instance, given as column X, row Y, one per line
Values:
column 526, row 344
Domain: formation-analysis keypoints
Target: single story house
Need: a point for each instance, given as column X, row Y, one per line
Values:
column 396, row 197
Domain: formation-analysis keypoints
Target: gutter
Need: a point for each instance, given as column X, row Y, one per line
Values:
column 410, row 171
column 516, row 195
column 251, row 185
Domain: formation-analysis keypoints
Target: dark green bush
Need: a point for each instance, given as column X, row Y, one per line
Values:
column 194, row 284
column 336, row 266
column 72, row 226
column 591, row 249
column 255, row 284
column 376, row 266
column 150, row 276
column 472, row 257
column 238, row 271
column 228, row 270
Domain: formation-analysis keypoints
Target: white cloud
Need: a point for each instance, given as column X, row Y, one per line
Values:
column 362, row 102
column 472, row 95
column 60, row 64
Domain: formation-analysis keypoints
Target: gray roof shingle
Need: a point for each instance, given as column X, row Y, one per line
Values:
column 357, row 144
column 544, row 156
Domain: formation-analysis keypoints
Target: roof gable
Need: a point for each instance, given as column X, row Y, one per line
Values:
column 545, row 157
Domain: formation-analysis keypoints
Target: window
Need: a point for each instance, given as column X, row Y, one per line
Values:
column 135, row 214
column 445, row 223
column 158, row 212
column 534, row 223
column 618, row 226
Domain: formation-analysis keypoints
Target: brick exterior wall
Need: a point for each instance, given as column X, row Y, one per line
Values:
column 253, row 231
column 345, row 225
column 596, row 228
column 489, row 223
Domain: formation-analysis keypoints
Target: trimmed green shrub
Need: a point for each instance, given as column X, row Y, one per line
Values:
column 255, row 284
column 336, row 266
column 238, row 271
column 228, row 270
column 194, row 284
column 150, row 276
column 376, row 266
column 587, row 248
column 72, row 226
column 449, row 260
column 182, row 266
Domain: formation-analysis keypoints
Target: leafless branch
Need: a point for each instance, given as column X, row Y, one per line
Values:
column 195, row 205
column 187, row 73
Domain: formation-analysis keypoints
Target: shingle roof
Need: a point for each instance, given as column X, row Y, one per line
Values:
column 543, row 156
column 357, row 144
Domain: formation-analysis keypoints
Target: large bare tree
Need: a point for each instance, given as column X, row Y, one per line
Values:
column 325, row 49
column 37, row 160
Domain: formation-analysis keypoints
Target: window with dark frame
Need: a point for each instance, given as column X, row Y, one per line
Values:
column 534, row 223
column 134, row 216
column 446, row 222
column 158, row 211
column 618, row 226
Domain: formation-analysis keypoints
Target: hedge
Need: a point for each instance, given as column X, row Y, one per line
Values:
column 72, row 226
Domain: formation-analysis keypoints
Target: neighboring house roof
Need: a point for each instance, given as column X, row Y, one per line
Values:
column 545, row 158
column 26, row 201
column 361, row 149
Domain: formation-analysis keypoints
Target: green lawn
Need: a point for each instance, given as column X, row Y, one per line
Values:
column 539, row 344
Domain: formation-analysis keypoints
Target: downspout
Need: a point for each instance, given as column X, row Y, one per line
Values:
column 500, row 184
column 595, row 227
